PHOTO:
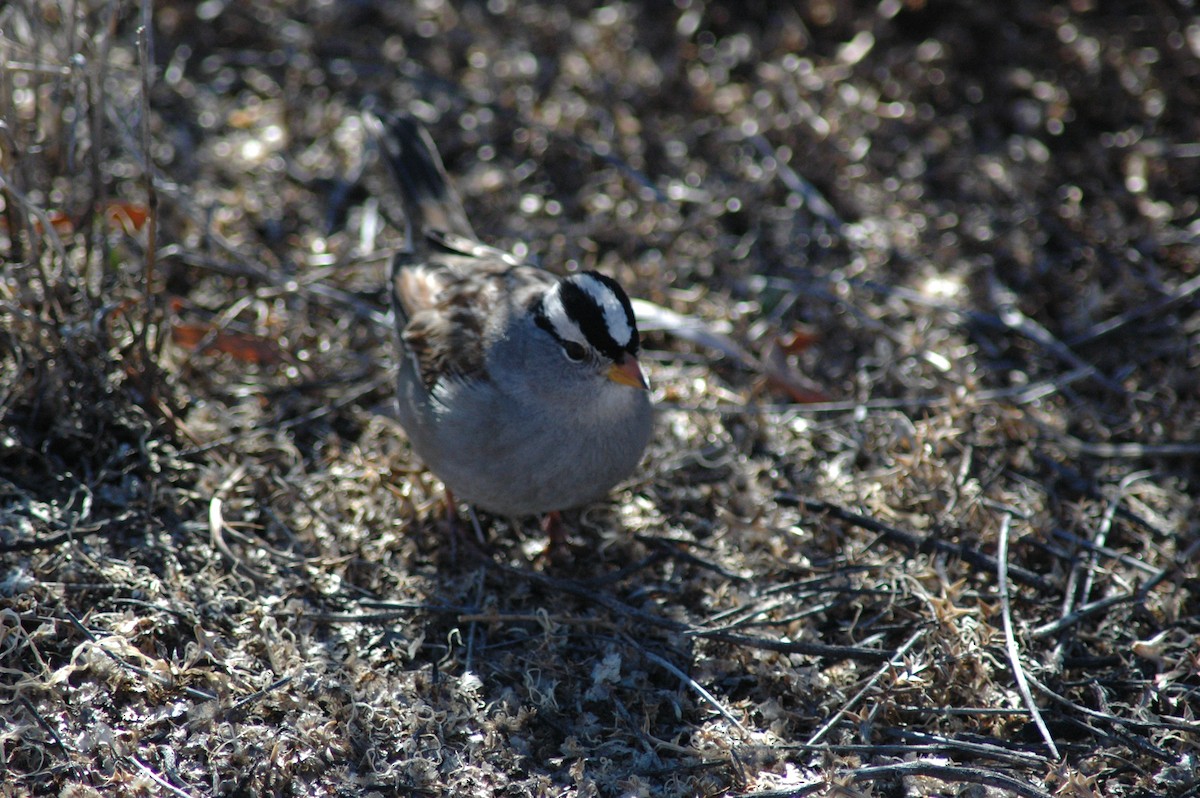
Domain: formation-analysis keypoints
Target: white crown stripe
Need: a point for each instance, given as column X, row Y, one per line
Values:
column 614, row 313
column 556, row 314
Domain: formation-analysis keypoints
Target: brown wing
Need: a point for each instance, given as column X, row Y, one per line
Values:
column 445, row 306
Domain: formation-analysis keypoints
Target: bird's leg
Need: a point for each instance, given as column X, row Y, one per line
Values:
column 458, row 531
column 552, row 525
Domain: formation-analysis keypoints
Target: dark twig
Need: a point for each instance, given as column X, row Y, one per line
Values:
column 247, row 700
column 589, row 593
column 934, row 770
column 921, row 742
column 1086, row 611
column 128, row 666
column 695, row 686
column 808, row 194
column 790, row 646
column 1117, row 720
column 145, row 41
column 1011, row 317
column 1128, row 450
column 849, row 705
column 967, row 554
column 675, row 549
column 993, row 750
column 1180, row 293
column 57, row 539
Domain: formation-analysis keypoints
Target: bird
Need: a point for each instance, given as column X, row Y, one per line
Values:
column 519, row 389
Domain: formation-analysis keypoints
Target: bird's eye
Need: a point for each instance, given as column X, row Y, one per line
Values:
column 574, row 351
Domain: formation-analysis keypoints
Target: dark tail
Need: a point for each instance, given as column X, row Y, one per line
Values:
column 430, row 202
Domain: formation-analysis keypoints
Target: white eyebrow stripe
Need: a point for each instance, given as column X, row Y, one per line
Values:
column 614, row 313
column 556, row 314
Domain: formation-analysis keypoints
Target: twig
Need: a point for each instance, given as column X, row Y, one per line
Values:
column 216, row 526
column 1117, row 720
column 343, row 399
column 920, row 742
column 98, row 100
column 969, row 555
column 674, row 548
column 480, row 579
column 46, row 727
column 1128, row 450
column 920, row 767
column 1010, row 638
column 806, row 191
column 541, row 618
column 611, row 578
column 649, row 744
column 1139, row 742
column 992, row 750
column 135, row 669
column 845, row 709
column 1180, row 293
column 1013, row 319
column 159, row 780
column 694, row 685
column 47, row 226
column 1086, row 611
column 145, row 42
column 37, row 544
column 589, row 593
column 790, row 646
column 1076, row 481
column 1084, row 568
column 246, row 700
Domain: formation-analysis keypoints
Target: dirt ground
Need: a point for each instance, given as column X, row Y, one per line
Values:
column 919, row 515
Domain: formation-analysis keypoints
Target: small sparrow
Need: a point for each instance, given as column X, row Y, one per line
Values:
column 520, row 390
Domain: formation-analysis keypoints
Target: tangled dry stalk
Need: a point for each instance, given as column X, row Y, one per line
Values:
column 927, row 526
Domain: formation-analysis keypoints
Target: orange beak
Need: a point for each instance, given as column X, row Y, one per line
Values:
column 628, row 372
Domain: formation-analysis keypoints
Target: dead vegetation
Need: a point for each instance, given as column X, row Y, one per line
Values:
column 969, row 568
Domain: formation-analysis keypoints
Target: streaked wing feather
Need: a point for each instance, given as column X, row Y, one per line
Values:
column 446, row 305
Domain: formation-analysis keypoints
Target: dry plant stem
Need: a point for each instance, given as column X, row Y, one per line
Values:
column 11, row 192
column 1180, row 293
column 929, row 744
column 1086, row 566
column 1128, row 450
column 145, row 769
column 971, row 556
column 588, row 592
column 1010, row 638
column 849, row 705
column 693, row 684
column 1100, row 605
column 1116, row 556
column 216, row 526
column 997, row 752
column 934, row 770
column 97, row 102
column 1084, row 612
column 135, row 669
column 1011, row 317
column 51, row 732
column 146, row 56
column 77, row 533
column 480, row 579
column 806, row 191
column 675, row 549
column 1187, row 726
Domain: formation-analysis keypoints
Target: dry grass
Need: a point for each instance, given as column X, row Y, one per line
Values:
column 970, row 569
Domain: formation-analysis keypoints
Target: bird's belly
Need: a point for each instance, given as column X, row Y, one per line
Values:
column 528, row 466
